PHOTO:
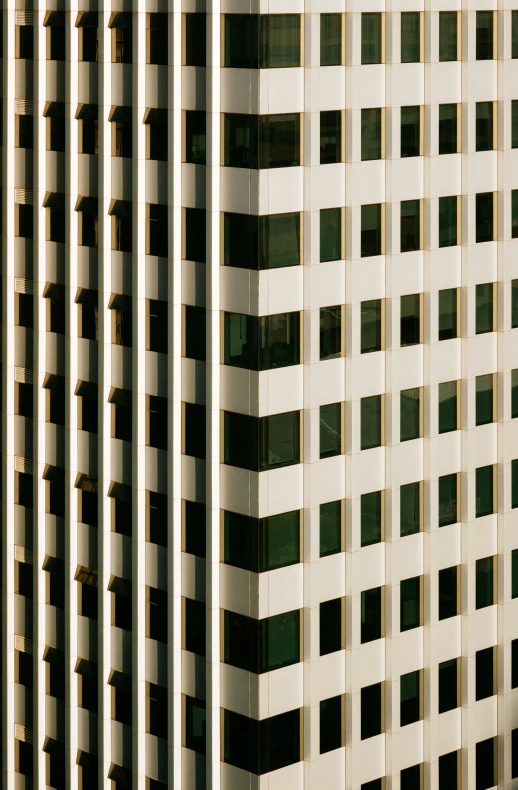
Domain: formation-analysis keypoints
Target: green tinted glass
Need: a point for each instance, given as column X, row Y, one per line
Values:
column 330, row 528
column 371, row 518
column 410, row 509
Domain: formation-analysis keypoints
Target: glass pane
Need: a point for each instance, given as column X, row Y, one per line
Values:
column 514, row 304
column 447, row 35
column 371, row 134
column 410, row 611
column 447, row 406
column 240, row 241
column 514, row 124
column 514, row 34
column 330, row 627
column 447, row 221
column 371, row 615
column 514, row 483
column 279, row 743
column 279, row 541
column 410, row 225
column 330, row 724
column 330, row 332
column 371, row 422
column 484, row 35
column 330, row 234
column 484, row 491
column 240, row 440
column 484, row 308
column 409, row 698
column 484, row 582
column 447, row 593
column 514, row 573
column 411, row 778
column 448, row 314
column 241, row 741
column 330, row 430
column 279, row 140
column 410, row 509
column 447, row 685
column 410, row 134
column 514, row 393
column 330, row 137
column 371, row 229
column 448, row 128
column 371, row 38
column 371, row 707
column 514, row 214
column 447, row 500
column 410, row 319
column 279, row 440
column 483, row 673
column 410, row 422
column 371, row 518
column 484, row 399
column 484, row 217
column 410, row 37
column 195, row 40
column 279, row 241
column 484, row 126
column 371, row 326
column 240, row 547
column 279, row 42
column 279, row 340
column 241, row 141
column 196, row 137
column 330, row 39
column 330, row 528
column 240, row 643
column 195, row 724
column 241, row 41
column 279, row 641
column 240, row 347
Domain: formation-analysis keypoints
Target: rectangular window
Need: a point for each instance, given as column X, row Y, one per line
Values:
column 371, row 422
column 514, row 214
column 371, row 706
column 514, row 123
column 330, row 234
column 484, row 126
column 447, row 500
column 331, row 626
column 195, row 39
column 194, row 430
column 157, row 36
column 262, row 141
column 448, row 593
column 371, row 236
column 195, row 138
column 484, row 409
column 267, row 242
column 514, row 304
column 267, row 41
column 448, row 40
column 372, row 130
column 514, row 38
column 261, row 746
column 194, row 616
column 410, row 131
column 376, row 784
column 448, row 221
column 261, row 444
column 514, row 393
column 448, row 685
column 514, row 483
column 331, row 531
column 195, row 235
column 514, row 753
column 484, row 673
column 448, row 127
column 485, row 40
column 411, row 778
column 484, row 316
column 485, row 758
column 371, row 326
column 410, row 37
column 194, row 517
column 263, row 343
column 484, row 217
column 195, row 341
column 514, row 664
column 484, row 583
column 372, row 28
column 514, row 573
column 330, row 332
column 195, row 724
column 410, row 603
column 448, row 314
column 261, row 646
column 410, row 320
column 409, row 509
column 331, row 432
column 331, row 724
column 330, row 137
column 410, row 698
column 484, row 491
column 448, row 406
column 371, row 614
column 448, row 771
column 371, row 518
column 410, row 225
column 410, row 414
column 260, row 545
column 330, row 39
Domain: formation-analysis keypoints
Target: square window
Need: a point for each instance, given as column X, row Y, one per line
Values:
column 484, row 491
column 448, row 406
column 330, row 39
column 410, row 698
column 448, row 222
column 484, row 678
column 371, row 711
column 331, row 721
column 448, row 41
column 484, row 399
column 372, row 26
column 448, row 593
column 410, row 225
column 372, row 131
column 409, row 509
column 410, row 414
column 330, row 137
column 330, row 234
column 448, row 127
column 410, row 131
column 371, row 326
column 485, row 41
column 371, row 518
column 410, row 320
column 484, row 582
column 448, row 691
column 371, row 222
column 410, row 37
column 484, row 310
column 371, row 615
column 371, row 422
column 410, row 603
column 331, row 430
column 330, row 528
column 484, row 126
column 484, row 217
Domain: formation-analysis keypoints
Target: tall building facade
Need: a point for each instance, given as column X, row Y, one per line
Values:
column 259, row 381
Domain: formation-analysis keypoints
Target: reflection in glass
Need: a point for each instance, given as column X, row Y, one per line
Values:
column 330, row 137
column 410, row 509
column 484, row 399
column 448, row 314
column 410, row 420
column 330, row 430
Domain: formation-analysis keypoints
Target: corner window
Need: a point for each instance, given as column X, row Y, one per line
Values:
column 261, row 646
column 260, row 545
column 268, row 41
column 261, row 444
column 261, row 746
column 262, row 141
column 263, row 343
column 266, row 242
